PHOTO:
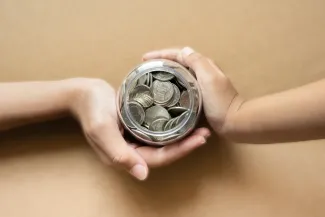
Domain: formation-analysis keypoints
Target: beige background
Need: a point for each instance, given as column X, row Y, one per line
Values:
column 263, row 46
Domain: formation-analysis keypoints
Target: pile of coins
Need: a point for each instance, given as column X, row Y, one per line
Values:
column 158, row 101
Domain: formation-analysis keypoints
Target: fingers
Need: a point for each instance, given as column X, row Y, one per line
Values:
column 171, row 54
column 156, row 157
column 202, row 66
column 180, row 149
column 108, row 139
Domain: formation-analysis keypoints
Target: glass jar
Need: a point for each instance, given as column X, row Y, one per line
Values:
column 159, row 102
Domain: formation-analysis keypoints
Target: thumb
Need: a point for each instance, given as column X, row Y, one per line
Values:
column 129, row 159
column 109, row 139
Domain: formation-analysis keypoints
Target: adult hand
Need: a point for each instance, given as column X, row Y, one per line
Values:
column 220, row 98
column 94, row 105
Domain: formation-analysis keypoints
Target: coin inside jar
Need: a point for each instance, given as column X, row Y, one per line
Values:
column 136, row 112
column 158, row 102
column 163, row 76
column 142, row 95
column 155, row 112
column 162, row 91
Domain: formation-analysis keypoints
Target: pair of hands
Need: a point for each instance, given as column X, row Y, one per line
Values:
column 95, row 108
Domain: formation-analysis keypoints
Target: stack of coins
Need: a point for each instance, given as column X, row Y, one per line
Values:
column 158, row 101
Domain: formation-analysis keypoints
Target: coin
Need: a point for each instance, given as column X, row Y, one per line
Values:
column 173, row 123
column 167, row 125
column 158, row 124
column 150, row 80
column 170, row 137
column 175, row 111
column 136, row 111
column 142, row 80
column 138, row 90
column 162, row 91
column 184, row 101
column 142, row 95
column 180, row 118
column 144, row 99
column 180, row 82
column 141, row 134
column 146, row 125
column 175, row 98
column 166, row 138
column 155, row 112
column 163, row 76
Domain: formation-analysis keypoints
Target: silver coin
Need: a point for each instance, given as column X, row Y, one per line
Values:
column 180, row 82
column 126, row 119
column 162, row 91
column 141, row 134
column 142, row 95
column 169, row 124
column 155, row 112
column 158, row 124
column 146, row 125
column 170, row 137
column 180, row 118
column 136, row 112
column 176, row 111
column 173, row 123
column 163, row 76
column 184, row 101
column 175, row 98
column 150, row 80
column 144, row 99
column 147, row 79
column 166, row 138
column 140, row 89
column 142, row 80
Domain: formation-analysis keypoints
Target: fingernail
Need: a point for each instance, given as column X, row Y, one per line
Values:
column 202, row 140
column 207, row 135
column 186, row 51
column 139, row 172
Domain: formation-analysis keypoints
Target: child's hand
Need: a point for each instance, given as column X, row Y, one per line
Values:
column 220, row 99
column 94, row 105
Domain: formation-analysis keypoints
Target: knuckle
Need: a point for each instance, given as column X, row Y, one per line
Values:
column 196, row 58
column 160, row 159
column 119, row 159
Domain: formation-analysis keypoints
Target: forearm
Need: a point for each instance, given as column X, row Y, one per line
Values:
column 294, row 115
column 28, row 102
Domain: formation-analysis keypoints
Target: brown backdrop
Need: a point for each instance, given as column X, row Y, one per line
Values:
column 263, row 46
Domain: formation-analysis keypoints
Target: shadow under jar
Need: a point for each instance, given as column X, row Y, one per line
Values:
column 159, row 102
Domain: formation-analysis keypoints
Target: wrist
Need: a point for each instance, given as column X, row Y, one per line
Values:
column 228, row 128
column 79, row 89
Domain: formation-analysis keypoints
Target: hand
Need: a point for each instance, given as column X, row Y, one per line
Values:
column 94, row 105
column 220, row 98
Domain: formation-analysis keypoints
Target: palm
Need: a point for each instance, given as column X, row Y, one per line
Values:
column 95, row 108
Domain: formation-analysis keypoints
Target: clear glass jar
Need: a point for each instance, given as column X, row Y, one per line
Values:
column 149, row 91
